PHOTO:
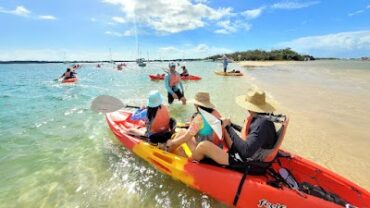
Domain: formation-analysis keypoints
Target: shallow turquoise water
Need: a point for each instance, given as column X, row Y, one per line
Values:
column 55, row 152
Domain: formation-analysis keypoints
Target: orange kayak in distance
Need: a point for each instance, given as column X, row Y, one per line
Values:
column 161, row 77
column 70, row 80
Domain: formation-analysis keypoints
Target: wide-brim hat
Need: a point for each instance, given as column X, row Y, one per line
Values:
column 203, row 99
column 155, row 99
column 255, row 100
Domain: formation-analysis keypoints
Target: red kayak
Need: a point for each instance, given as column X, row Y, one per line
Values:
column 70, row 80
column 264, row 191
column 161, row 77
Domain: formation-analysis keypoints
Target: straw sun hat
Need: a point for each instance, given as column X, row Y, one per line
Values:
column 203, row 99
column 255, row 100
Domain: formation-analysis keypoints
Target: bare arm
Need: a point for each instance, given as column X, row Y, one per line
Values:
column 176, row 142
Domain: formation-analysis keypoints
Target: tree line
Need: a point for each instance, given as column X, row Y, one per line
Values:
column 286, row 54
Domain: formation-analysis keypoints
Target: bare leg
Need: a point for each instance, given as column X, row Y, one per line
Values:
column 210, row 150
column 183, row 100
column 138, row 132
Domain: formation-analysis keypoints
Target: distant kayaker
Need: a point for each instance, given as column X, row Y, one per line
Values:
column 157, row 120
column 258, row 135
column 69, row 74
column 200, row 128
column 185, row 72
column 172, row 82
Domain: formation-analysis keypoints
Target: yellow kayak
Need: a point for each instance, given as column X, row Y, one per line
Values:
column 221, row 73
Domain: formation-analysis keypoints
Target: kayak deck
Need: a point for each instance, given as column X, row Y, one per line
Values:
column 222, row 183
column 234, row 74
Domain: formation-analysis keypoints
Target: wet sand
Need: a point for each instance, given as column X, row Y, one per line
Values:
column 328, row 107
column 265, row 63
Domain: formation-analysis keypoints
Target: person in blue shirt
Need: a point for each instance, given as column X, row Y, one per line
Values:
column 225, row 62
column 173, row 85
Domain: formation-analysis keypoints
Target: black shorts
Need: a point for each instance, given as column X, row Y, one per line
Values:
column 237, row 163
column 159, row 137
column 178, row 93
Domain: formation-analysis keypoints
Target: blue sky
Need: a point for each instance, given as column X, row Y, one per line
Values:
column 88, row 29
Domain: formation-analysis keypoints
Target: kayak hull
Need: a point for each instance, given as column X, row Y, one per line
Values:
column 155, row 77
column 71, row 80
column 221, row 73
column 222, row 183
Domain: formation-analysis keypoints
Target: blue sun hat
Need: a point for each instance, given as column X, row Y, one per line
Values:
column 155, row 99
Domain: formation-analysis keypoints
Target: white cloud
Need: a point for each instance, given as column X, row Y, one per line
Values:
column 128, row 33
column 118, row 19
column 293, row 4
column 47, row 17
column 19, row 11
column 170, row 49
column 344, row 42
column 112, row 33
column 24, row 12
column 355, row 13
column 168, row 16
column 228, row 26
column 201, row 1
column 253, row 13
column 202, row 48
column 368, row 7
column 92, row 19
column 190, row 51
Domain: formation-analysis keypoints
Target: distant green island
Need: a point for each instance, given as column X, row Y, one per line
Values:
column 286, row 54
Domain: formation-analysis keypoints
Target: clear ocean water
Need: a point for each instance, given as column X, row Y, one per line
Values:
column 56, row 152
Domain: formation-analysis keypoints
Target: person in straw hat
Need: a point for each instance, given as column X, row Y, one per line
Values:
column 200, row 128
column 258, row 133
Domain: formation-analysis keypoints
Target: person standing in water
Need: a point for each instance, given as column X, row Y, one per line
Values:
column 225, row 62
column 173, row 85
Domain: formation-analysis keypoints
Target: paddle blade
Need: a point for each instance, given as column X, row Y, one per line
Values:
column 106, row 104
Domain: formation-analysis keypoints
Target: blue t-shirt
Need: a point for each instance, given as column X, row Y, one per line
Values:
column 225, row 62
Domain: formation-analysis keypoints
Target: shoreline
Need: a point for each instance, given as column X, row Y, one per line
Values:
column 266, row 63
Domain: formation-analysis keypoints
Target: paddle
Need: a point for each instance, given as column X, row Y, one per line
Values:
column 165, row 70
column 107, row 104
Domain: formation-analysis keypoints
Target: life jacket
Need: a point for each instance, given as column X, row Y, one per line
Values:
column 161, row 121
column 174, row 79
column 267, row 155
column 67, row 75
column 206, row 132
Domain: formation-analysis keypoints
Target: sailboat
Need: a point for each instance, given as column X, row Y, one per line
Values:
column 140, row 61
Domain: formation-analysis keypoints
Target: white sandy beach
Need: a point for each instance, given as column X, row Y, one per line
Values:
column 265, row 63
